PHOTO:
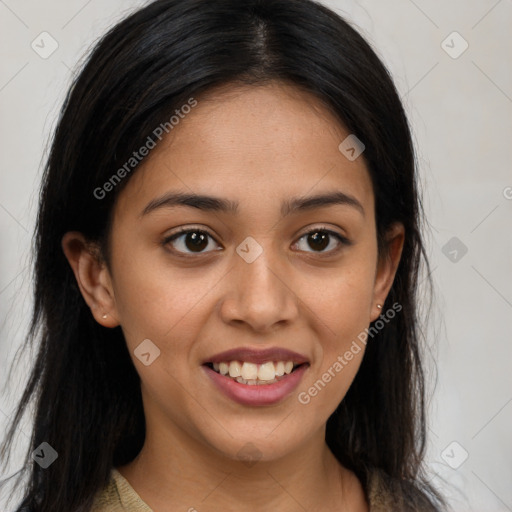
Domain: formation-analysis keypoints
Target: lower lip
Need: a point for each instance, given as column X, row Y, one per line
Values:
column 264, row 394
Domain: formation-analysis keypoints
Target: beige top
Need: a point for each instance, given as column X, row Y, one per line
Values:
column 119, row 496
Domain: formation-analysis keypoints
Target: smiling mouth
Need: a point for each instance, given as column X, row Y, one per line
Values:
column 253, row 374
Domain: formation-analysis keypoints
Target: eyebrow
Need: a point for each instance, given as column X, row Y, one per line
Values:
column 217, row 204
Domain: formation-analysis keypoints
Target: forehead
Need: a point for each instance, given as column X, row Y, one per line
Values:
column 251, row 143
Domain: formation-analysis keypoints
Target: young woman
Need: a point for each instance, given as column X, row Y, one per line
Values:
column 228, row 246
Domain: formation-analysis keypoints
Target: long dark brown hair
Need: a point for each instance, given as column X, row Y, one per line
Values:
column 84, row 386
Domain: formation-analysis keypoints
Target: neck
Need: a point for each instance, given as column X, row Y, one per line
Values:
column 176, row 472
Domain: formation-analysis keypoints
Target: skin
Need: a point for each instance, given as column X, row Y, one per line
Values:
column 258, row 145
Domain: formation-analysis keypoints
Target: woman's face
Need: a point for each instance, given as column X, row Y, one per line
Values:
column 247, row 277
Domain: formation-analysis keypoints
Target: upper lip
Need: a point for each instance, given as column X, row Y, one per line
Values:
column 257, row 356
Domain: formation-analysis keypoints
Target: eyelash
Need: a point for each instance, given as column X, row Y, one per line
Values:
column 321, row 229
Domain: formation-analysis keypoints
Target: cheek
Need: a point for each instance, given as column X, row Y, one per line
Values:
column 340, row 299
column 156, row 300
column 340, row 308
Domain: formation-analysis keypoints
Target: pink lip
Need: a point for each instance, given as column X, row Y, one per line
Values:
column 257, row 356
column 266, row 394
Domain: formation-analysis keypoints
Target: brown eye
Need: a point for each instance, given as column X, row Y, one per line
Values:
column 189, row 241
column 318, row 240
column 321, row 239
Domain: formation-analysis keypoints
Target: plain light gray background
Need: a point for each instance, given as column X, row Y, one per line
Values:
column 460, row 106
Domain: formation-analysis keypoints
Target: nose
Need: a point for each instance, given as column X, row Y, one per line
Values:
column 259, row 295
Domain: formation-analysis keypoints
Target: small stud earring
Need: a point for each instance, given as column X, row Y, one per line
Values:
column 104, row 316
column 379, row 306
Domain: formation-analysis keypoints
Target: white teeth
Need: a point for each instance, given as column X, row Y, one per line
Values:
column 266, row 371
column 235, row 369
column 249, row 371
column 254, row 374
column 223, row 368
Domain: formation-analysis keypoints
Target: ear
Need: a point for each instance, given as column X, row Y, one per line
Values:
column 92, row 276
column 387, row 267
